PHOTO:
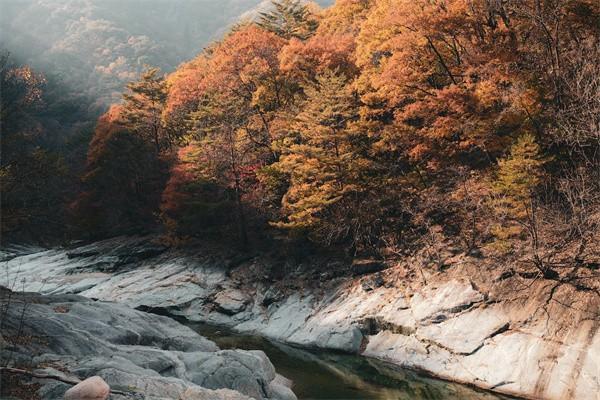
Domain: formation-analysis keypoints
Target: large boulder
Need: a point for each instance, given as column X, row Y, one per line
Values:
column 342, row 339
column 93, row 388
column 281, row 388
column 231, row 301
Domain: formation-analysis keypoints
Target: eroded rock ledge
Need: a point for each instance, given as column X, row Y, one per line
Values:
column 450, row 328
column 143, row 355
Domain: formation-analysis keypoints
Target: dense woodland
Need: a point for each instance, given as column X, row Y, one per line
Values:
column 45, row 136
column 373, row 126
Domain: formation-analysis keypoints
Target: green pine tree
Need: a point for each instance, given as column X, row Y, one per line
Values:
column 518, row 175
column 324, row 160
column 143, row 108
column 288, row 19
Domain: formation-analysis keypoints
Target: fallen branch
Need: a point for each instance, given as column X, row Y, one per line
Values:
column 70, row 381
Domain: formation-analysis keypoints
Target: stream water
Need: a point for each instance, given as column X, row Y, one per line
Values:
column 327, row 375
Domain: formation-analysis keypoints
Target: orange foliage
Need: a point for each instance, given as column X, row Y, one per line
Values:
column 435, row 86
column 243, row 61
column 107, row 124
column 345, row 16
column 245, row 64
column 185, row 84
column 182, row 173
column 31, row 81
column 450, row 76
column 306, row 59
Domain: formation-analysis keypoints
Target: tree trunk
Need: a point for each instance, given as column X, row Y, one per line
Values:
column 241, row 219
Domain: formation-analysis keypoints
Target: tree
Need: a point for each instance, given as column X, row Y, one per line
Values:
column 233, row 98
column 344, row 17
column 303, row 60
column 245, row 68
column 122, row 183
column 380, row 121
column 289, row 19
column 143, row 107
column 325, row 159
column 21, row 90
column 185, row 86
column 517, row 178
column 33, row 176
column 193, row 202
column 450, row 77
column 228, row 158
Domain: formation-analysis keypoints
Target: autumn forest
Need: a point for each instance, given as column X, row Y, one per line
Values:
column 371, row 126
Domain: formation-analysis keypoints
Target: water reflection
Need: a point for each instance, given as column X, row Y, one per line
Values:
column 326, row 375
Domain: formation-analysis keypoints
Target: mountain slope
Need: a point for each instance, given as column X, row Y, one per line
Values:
column 96, row 46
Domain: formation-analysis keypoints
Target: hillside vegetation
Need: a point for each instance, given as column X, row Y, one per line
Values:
column 77, row 56
column 379, row 127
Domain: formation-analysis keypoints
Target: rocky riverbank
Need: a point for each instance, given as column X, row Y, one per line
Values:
column 503, row 333
column 140, row 355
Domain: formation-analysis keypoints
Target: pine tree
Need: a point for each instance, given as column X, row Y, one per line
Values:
column 517, row 177
column 143, row 108
column 289, row 19
column 324, row 161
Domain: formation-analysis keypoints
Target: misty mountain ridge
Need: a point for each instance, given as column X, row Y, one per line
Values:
column 94, row 47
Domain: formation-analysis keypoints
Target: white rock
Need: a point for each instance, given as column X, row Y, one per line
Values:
column 93, row 388
column 465, row 333
column 450, row 297
column 528, row 360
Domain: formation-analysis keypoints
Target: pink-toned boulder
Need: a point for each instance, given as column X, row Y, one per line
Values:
column 93, row 388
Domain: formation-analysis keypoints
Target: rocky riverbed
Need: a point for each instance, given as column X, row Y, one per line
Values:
column 140, row 355
column 459, row 326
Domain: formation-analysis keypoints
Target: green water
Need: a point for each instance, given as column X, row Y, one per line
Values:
column 326, row 375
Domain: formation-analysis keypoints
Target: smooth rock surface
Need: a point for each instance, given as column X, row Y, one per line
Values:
column 92, row 388
column 449, row 328
column 132, row 351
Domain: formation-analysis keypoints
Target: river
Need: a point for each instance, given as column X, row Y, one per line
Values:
column 327, row 375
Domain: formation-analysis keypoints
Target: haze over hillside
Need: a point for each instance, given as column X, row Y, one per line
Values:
column 95, row 46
